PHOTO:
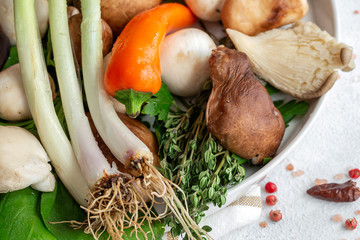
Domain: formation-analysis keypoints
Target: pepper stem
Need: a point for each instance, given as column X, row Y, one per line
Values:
column 133, row 100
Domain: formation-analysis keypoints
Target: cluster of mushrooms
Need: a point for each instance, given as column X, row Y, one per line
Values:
column 301, row 60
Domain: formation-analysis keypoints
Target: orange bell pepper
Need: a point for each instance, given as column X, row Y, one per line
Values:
column 133, row 74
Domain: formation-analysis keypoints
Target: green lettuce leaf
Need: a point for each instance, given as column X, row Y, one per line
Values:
column 292, row 109
column 59, row 206
column 20, row 217
column 13, row 58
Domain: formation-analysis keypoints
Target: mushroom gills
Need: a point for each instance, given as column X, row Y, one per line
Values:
column 301, row 60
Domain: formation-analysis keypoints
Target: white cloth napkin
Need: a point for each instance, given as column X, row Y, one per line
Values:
column 245, row 210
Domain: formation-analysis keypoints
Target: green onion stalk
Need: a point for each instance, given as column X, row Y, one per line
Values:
column 39, row 96
column 115, row 198
column 123, row 144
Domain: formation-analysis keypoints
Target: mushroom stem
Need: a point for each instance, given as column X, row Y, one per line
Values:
column 346, row 55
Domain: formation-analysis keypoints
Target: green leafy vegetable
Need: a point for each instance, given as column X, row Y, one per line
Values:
column 48, row 51
column 159, row 105
column 13, row 58
column 30, row 214
column 27, row 124
column 59, row 206
column 291, row 109
column 271, row 90
column 266, row 160
column 20, row 217
column 194, row 160
column 239, row 159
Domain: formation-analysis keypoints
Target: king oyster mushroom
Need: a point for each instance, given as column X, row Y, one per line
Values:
column 300, row 61
column 240, row 112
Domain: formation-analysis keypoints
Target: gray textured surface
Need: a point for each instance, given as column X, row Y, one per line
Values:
column 332, row 146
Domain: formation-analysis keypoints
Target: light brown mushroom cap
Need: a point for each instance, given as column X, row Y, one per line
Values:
column 301, row 61
column 256, row 16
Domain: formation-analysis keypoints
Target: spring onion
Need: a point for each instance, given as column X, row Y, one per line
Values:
column 124, row 145
column 105, row 182
column 39, row 96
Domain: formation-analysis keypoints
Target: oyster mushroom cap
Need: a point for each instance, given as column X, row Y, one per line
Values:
column 301, row 61
column 23, row 161
column 240, row 112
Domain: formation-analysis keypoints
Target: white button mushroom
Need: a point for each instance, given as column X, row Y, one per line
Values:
column 23, row 161
column 185, row 61
column 13, row 102
column 7, row 17
column 47, row 185
column 208, row 10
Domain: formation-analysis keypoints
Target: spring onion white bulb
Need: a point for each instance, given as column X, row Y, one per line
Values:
column 92, row 161
column 120, row 140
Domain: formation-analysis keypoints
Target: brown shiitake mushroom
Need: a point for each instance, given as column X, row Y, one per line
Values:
column 75, row 35
column 256, row 16
column 240, row 112
column 117, row 13
column 4, row 48
column 71, row 11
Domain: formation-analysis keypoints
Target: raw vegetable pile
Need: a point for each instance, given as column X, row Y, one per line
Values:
column 90, row 117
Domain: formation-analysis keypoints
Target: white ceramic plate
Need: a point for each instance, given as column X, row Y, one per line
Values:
column 324, row 14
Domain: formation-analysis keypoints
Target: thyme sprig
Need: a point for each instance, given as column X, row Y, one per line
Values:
column 194, row 160
column 192, row 157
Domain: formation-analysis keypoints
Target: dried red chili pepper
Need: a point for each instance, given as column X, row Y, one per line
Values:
column 346, row 192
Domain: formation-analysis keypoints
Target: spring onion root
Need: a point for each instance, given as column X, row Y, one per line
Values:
column 113, row 195
column 123, row 144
